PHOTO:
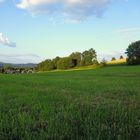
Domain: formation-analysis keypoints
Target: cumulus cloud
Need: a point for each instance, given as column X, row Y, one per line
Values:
column 5, row 41
column 76, row 10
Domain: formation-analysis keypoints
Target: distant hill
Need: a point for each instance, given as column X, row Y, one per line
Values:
column 28, row 65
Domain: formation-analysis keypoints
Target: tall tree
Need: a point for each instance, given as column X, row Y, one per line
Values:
column 89, row 57
column 133, row 53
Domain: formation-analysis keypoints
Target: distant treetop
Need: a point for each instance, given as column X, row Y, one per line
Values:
column 121, row 57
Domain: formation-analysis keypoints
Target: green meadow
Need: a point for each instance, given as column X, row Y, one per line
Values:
column 93, row 104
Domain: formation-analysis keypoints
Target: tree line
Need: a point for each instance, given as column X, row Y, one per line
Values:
column 76, row 59
column 86, row 58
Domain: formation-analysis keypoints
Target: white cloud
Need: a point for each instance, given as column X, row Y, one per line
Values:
column 76, row 10
column 5, row 41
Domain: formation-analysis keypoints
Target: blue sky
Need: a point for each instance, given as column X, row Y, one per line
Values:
column 33, row 30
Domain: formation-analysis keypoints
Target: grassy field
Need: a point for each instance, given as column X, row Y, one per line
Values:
column 99, row 104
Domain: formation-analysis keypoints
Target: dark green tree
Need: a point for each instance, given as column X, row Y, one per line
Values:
column 133, row 53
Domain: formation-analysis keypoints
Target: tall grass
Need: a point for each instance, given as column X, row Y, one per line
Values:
column 100, row 104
